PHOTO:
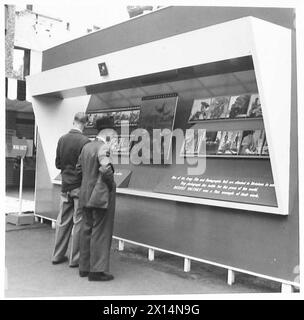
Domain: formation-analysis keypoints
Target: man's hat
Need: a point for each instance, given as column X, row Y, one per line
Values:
column 104, row 123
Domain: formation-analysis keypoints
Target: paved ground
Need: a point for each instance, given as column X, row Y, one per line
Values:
column 31, row 274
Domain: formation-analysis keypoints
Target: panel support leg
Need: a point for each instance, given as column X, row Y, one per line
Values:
column 230, row 277
column 53, row 224
column 286, row 288
column 121, row 245
column 151, row 254
column 37, row 219
column 41, row 220
column 187, row 264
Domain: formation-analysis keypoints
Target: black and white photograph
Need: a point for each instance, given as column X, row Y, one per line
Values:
column 252, row 142
column 230, row 142
column 219, row 107
column 238, row 106
column 135, row 159
column 255, row 108
column 192, row 145
column 201, row 110
column 213, row 139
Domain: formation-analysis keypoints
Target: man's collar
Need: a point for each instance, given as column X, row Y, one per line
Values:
column 76, row 129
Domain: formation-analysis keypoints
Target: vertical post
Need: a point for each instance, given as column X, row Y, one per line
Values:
column 20, row 186
column 286, row 288
column 121, row 245
column 151, row 254
column 231, row 277
column 187, row 264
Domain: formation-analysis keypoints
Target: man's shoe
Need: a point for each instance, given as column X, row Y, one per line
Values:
column 100, row 276
column 83, row 274
column 61, row 260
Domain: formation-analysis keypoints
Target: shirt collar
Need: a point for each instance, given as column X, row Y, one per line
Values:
column 77, row 129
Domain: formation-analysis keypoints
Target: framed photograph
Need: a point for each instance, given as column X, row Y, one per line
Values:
column 238, row 106
column 192, row 145
column 230, row 142
column 219, row 107
column 255, row 108
column 213, row 139
column 265, row 151
column 200, row 110
column 123, row 116
column 252, row 142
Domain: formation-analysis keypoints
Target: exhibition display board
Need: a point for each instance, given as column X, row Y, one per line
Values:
column 224, row 193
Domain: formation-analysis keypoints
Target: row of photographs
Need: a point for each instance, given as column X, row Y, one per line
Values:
column 247, row 142
column 239, row 106
column 130, row 117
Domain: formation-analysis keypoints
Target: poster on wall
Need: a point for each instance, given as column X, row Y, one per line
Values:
column 158, row 112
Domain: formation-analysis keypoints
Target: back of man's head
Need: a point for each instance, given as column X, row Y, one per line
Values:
column 80, row 118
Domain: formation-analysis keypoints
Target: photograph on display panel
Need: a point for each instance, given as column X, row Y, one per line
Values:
column 252, row 142
column 238, row 106
column 201, row 110
column 213, row 139
column 219, row 107
column 265, row 150
column 230, row 142
column 255, row 108
column 192, row 145
column 125, row 116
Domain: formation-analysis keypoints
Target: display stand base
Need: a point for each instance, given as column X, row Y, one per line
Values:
column 20, row 219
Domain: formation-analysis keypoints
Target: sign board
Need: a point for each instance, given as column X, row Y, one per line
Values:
column 242, row 190
column 19, row 147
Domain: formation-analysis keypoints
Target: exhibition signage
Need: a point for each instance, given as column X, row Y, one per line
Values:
column 242, row 190
column 19, row 149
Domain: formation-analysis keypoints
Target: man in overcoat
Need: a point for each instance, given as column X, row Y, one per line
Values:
column 69, row 218
column 97, row 200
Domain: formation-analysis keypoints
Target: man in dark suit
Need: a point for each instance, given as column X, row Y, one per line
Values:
column 97, row 199
column 69, row 218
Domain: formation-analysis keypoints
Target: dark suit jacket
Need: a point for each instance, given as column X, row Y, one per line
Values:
column 68, row 150
column 97, row 180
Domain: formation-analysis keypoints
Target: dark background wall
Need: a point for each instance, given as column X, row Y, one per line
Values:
column 258, row 242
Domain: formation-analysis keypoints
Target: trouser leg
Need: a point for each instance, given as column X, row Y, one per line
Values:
column 85, row 240
column 64, row 226
column 75, row 236
column 101, row 240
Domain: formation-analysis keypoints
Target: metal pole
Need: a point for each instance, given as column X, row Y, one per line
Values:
column 20, row 186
